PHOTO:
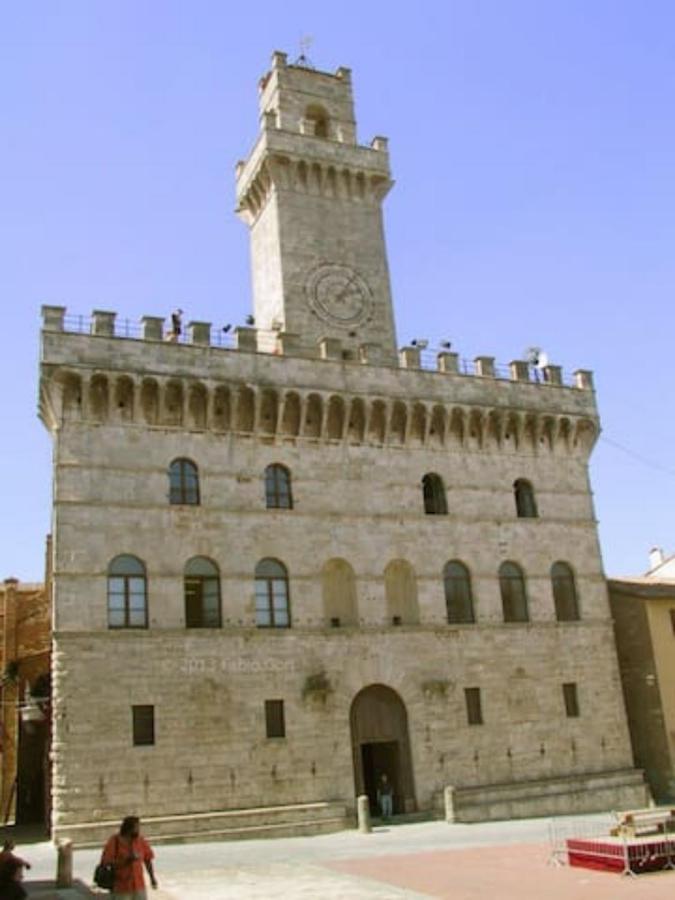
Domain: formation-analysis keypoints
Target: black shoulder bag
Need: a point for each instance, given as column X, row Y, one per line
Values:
column 104, row 873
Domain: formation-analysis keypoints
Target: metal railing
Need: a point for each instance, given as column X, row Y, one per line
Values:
column 603, row 843
column 268, row 342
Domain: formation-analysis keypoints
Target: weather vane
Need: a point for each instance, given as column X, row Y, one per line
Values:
column 306, row 42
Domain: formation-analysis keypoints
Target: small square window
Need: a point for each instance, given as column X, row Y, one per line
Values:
column 571, row 699
column 474, row 711
column 274, row 718
column 143, row 720
column 672, row 620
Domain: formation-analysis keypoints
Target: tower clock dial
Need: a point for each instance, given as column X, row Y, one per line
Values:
column 338, row 294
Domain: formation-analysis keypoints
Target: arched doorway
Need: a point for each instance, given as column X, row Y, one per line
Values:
column 380, row 744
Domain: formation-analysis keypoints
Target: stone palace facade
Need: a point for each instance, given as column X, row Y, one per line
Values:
column 286, row 566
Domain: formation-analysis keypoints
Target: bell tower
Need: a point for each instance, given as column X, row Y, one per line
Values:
column 312, row 198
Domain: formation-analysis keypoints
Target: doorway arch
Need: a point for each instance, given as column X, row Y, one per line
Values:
column 381, row 744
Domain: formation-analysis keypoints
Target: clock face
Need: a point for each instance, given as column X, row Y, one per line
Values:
column 338, row 294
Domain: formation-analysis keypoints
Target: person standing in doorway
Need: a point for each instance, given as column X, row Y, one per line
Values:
column 129, row 852
column 385, row 796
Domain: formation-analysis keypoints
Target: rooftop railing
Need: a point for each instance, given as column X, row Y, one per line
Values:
column 248, row 338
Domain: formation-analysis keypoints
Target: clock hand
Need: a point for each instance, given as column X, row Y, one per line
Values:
column 340, row 297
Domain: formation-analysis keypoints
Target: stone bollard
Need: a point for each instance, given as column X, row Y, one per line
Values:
column 449, row 797
column 363, row 811
column 64, row 864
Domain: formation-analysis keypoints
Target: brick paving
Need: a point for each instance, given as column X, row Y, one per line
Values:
column 513, row 872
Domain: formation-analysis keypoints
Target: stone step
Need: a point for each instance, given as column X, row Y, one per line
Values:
column 287, row 829
column 299, row 818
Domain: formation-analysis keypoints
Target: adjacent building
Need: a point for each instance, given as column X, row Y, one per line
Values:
column 288, row 565
column 644, row 618
column 25, row 645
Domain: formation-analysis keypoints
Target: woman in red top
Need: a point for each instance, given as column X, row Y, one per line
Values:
column 129, row 852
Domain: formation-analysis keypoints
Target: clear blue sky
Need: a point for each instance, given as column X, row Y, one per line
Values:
column 533, row 147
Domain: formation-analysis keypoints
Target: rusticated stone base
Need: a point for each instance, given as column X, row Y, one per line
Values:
column 595, row 792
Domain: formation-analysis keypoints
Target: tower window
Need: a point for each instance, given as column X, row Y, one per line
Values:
column 183, row 483
column 433, row 492
column 512, row 589
column 278, row 487
column 275, row 723
column 526, row 507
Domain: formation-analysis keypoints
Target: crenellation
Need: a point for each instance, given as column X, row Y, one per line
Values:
column 103, row 322
column 409, row 358
column 485, row 366
column 552, row 375
column 520, row 370
column 53, row 317
column 199, row 332
column 584, row 379
column 153, row 328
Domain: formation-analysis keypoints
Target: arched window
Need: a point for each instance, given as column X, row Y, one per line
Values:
column 183, row 483
column 127, row 593
column 272, row 608
column 435, row 500
column 564, row 592
column 201, row 585
column 400, row 590
column 458, row 596
column 526, row 506
column 338, row 588
column 512, row 587
column 278, row 487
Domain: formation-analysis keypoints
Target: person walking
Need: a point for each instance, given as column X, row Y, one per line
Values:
column 129, row 852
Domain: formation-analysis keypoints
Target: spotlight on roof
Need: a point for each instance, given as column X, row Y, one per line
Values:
column 226, row 328
column 250, row 320
column 446, row 345
column 421, row 343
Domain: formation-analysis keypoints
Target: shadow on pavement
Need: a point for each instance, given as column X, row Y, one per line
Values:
column 25, row 834
column 46, row 890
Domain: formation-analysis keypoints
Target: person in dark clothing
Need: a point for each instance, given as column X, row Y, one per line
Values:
column 11, row 875
column 176, row 325
column 7, row 855
column 385, row 796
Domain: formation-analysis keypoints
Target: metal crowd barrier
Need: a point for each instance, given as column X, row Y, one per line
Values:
column 593, row 841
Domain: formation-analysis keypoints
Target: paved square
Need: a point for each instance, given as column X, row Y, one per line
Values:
column 489, row 861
